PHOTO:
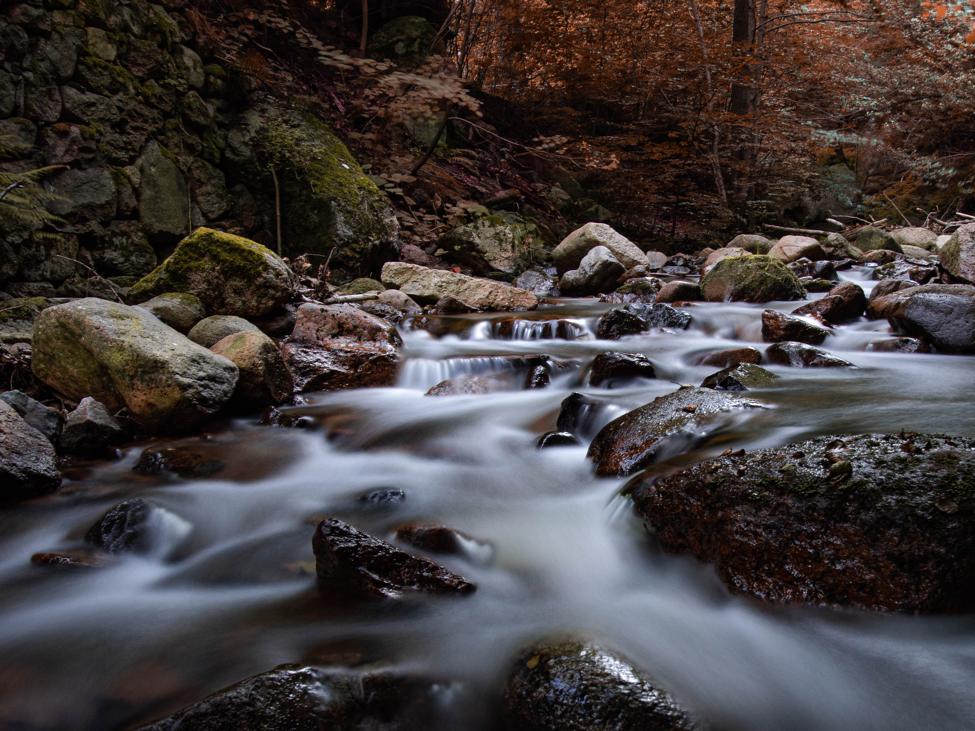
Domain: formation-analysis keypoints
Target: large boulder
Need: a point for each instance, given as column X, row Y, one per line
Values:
column 578, row 685
column 943, row 314
column 793, row 248
column 339, row 346
column 921, row 238
column 574, row 247
column 28, row 464
column 751, row 279
column 230, row 274
column 295, row 697
column 328, row 201
column 880, row 522
column 501, row 242
column 264, row 376
column 958, row 255
column 599, row 271
column 126, row 358
column 427, row 285
column 663, row 428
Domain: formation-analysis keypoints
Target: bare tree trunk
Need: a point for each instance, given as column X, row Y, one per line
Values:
column 709, row 89
column 277, row 209
column 364, row 35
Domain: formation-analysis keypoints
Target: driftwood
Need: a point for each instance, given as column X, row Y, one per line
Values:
column 340, row 299
column 800, row 231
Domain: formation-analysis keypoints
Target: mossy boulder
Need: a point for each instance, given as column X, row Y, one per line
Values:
column 126, row 358
column 230, row 274
column 407, row 40
column 501, row 242
column 875, row 521
column 327, row 199
column 751, row 279
column 871, row 238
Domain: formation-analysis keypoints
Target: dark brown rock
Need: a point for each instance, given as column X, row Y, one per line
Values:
column 800, row 355
column 778, row 327
column 679, row 291
column 557, row 439
column 181, row 461
column 28, row 464
column 879, row 522
column 89, row 430
column 731, row 358
column 352, row 563
column 575, row 685
column 635, row 319
column 608, row 368
column 742, row 377
column 665, row 427
column 843, row 303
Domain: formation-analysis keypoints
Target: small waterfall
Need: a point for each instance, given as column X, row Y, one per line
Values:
column 519, row 329
column 424, row 373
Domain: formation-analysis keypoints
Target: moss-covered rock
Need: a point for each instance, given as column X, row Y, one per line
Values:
column 873, row 521
column 362, row 285
column 751, row 279
column 126, row 358
column 407, row 40
column 871, row 238
column 230, row 274
column 501, row 242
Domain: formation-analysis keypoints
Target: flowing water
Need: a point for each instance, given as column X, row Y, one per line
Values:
column 230, row 592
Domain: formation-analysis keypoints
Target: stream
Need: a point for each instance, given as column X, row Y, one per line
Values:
column 229, row 591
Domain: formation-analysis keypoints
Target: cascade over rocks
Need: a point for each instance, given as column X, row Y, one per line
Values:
column 352, row 563
column 28, row 464
column 608, row 368
column 663, row 428
column 875, row 521
column 231, row 275
column 742, row 377
column 751, row 279
column 800, row 355
column 569, row 254
column 576, row 684
column 777, row 326
column 427, row 285
column 126, row 358
column 636, row 319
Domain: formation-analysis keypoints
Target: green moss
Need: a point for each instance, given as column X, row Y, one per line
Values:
column 105, row 77
column 756, row 278
column 363, row 285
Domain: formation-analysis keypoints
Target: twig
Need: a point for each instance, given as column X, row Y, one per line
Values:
column 95, row 274
column 802, row 231
column 343, row 298
column 887, row 198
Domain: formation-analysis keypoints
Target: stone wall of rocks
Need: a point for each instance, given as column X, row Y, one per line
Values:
column 158, row 137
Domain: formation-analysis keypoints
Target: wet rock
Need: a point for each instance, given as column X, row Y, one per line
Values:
column 28, row 464
column 819, row 270
column 888, row 286
column 598, row 272
column 751, row 279
column 557, row 439
column 635, row 319
column 609, row 368
column 742, row 377
column 428, row 285
column 519, row 329
column 879, row 522
column 340, row 346
column 179, row 310
column 287, row 420
column 350, row 562
column 641, row 290
column 89, row 430
column 125, row 357
column 665, row 427
column 578, row 414
column 732, row 357
column 137, row 526
column 577, row 245
column 465, row 386
column 679, row 291
column 230, row 274
column 958, row 255
column 945, row 319
column 539, row 375
column 777, row 327
column 816, row 285
column 898, row 345
column 791, row 248
column 264, row 376
column 871, row 238
column 915, row 270
column 180, row 461
column 295, row 697
column 46, row 421
column 575, row 684
column 843, row 303
column 79, row 558
column 880, row 257
column 383, row 497
column 886, row 303
column 435, row 538
column 211, row 330
column 800, row 355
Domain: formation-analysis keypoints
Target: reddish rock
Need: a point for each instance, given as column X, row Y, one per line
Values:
column 778, row 327
column 842, row 303
column 731, row 358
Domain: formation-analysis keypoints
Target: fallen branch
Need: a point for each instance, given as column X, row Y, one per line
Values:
column 800, row 231
column 341, row 299
column 94, row 275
